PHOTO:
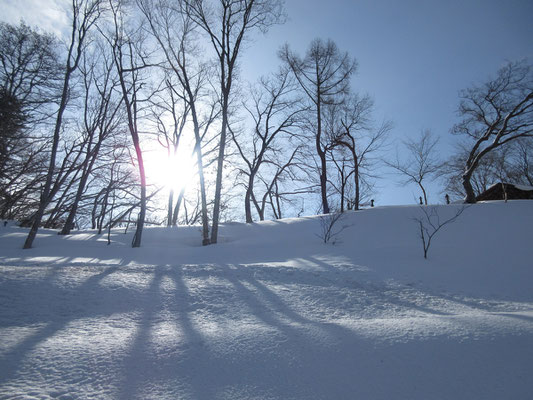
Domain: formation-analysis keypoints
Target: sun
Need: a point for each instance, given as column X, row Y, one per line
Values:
column 172, row 171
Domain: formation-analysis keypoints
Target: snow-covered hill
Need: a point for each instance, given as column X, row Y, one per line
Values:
column 271, row 312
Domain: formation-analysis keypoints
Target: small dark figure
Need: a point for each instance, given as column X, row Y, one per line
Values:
column 420, row 198
column 5, row 223
column 372, row 203
column 447, row 199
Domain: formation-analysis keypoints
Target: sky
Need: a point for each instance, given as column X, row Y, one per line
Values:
column 414, row 56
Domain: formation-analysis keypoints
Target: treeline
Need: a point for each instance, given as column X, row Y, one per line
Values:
column 78, row 117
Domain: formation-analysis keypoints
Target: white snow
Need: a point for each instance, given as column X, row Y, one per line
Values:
column 525, row 188
column 273, row 313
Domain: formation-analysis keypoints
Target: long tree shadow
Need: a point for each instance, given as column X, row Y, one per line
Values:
column 171, row 307
column 134, row 365
column 199, row 359
column 85, row 293
column 521, row 317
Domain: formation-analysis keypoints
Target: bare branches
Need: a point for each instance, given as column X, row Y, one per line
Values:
column 84, row 15
column 494, row 114
column 324, row 76
column 421, row 162
column 329, row 229
column 350, row 131
column 275, row 111
column 227, row 23
column 430, row 222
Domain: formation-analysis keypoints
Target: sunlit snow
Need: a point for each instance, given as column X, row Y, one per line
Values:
column 274, row 313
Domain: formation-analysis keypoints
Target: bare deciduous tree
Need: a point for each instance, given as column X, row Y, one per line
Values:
column 430, row 223
column 324, row 76
column 352, row 128
column 275, row 113
column 30, row 71
column 174, row 30
column 329, row 227
column 100, row 119
column 84, row 15
column 131, row 60
column 494, row 114
column 227, row 23
column 420, row 161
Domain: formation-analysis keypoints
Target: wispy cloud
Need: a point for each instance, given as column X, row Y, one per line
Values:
column 48, row 15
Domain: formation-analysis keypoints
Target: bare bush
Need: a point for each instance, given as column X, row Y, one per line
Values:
column 329, row 227
column 430, row 223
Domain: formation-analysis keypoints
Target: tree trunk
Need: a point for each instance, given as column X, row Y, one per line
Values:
column 248, row 196
column 170, row 207
column 469, row 190
column 142, row 214
column 424, row 193
column 343, row 187
column 45, row 195
column 200, row 163
column 220, row 166
column 357, row 200
column 177, row 207
column 247, row 205
column 323, row 164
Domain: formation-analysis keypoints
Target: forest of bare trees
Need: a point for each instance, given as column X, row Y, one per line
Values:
column 81, row 115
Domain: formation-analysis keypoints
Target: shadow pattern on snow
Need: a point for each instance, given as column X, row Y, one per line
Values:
column 226, row 330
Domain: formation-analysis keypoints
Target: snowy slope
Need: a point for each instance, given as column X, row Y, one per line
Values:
column 271, row 312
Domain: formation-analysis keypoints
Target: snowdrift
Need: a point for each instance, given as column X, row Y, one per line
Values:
column 272, row 312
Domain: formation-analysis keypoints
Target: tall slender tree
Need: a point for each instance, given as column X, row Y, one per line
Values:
column 275, row 111
column 100, row 119
column 324, row 76
column 174, row 30
column 131, row 59
column 227, row 24
column 84, row 15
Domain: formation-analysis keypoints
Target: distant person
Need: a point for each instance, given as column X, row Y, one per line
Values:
column 420, row 198
column 447, row 198
column 372, row 203
column 5, row 223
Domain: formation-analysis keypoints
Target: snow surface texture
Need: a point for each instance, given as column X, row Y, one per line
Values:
column 271, row 312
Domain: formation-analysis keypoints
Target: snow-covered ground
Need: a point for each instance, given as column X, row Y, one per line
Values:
column 271, row 312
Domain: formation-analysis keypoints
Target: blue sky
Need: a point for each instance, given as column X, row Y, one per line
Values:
column 414, row 55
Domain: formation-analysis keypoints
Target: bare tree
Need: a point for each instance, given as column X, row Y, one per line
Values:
column 324, row 76
column 329, row 229
column 518, row 168
column 273, row 195
column 430, row 223
column 29, row 69
column 84, row 15
column 350, row 126
column 227, row 23
column 101, row 117
column 174, row 30
column 169, row 107
column 131, row 60
column 275, row 113
column 421, row 161
column 494, row 114
column 30, row 80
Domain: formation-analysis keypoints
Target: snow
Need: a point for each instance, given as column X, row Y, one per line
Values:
column 271, row 312
column 525, row 188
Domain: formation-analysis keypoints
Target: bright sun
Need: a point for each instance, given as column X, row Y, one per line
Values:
column 173, row 172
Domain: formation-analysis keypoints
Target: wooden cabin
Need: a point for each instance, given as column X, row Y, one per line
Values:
column 506, row 191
